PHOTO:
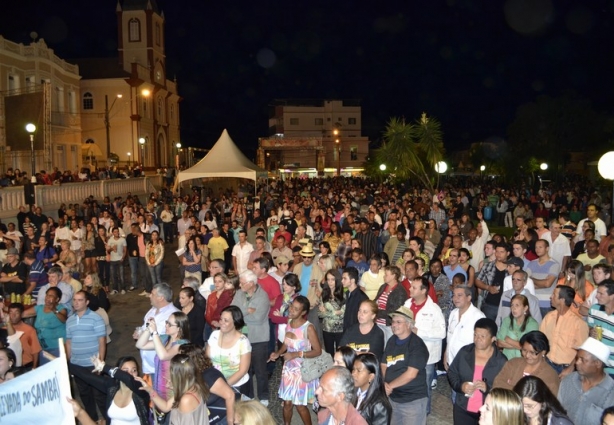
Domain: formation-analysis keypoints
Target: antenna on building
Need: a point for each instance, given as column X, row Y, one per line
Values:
column 33, row 36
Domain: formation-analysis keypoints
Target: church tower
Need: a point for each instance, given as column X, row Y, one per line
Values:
column 141, row 36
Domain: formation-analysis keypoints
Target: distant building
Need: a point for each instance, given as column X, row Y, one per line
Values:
column 314, row 137
column 38, row 87
column 149, row 104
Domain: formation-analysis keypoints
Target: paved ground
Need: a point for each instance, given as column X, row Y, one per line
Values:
column 127, row 312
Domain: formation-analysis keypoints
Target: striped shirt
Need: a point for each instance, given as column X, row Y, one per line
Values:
column 83, row 333
column 598, row 316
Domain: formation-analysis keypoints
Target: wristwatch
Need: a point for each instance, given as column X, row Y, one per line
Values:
column 155, row 333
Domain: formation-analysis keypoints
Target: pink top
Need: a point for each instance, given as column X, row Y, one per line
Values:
column 477, row 399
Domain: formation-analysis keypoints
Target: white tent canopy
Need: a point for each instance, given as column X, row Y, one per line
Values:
column 223, row 160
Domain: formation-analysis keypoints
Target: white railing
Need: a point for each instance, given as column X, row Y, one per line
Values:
column 51, row 197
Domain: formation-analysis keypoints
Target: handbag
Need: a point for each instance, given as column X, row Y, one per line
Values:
column 313, row 368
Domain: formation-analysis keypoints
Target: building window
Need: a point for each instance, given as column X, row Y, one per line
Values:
column 293, row 121
column 134, row 30
column 13, row 82
column 352, row 121
column 88, row 101
column 319, row 121
column 158, row 35
column 72, row 102
column 354, row 153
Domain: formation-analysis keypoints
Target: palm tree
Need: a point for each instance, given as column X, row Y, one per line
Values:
column 412, row 150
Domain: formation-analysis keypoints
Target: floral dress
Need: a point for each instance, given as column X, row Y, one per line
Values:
column 292, row 386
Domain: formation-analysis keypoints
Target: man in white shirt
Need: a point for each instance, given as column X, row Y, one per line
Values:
column 429, row 324
column 241, row 253
column 592, row 213
column 117, row 252
column 461, row 323
column 161, row 308
column 560, row 250
column 62, row 233
column 15, row 235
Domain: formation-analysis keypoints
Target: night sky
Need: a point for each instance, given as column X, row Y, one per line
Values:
column 470, row 63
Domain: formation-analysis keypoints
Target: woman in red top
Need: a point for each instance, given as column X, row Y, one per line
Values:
column 218, row 300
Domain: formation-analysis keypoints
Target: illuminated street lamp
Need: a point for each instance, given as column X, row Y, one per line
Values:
column 482, row 168
column 606, row 169
column 129, row 154
column 31, row 129
column 338, row 147
column 441, row 167
column 543, row 166
column 382, row 167
column 142, row 143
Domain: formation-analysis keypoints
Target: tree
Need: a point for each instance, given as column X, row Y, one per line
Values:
column 412, row 150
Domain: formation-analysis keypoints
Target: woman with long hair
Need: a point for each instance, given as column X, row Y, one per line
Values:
column 371, row 402
column 332, row 309
column 541, row 407
column 222, row 397
column 365, row 336
column 513, row 327
column 230, row 350
column 7, row 361
column 102, row 256
column 535, row 347
column 166, row 346
column 344, row 357
column 126, row 402
column 575, row 277
column 463, row 260
column 155, row 255
column 187, row 405
column 280, row 311
column 334, row 237
column 502, row 407
column 195, row 315
column 209, row 221
column 191, row 259
column 300, row 342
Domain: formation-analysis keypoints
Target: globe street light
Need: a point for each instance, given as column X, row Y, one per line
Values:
column 441, row 167
column 543, row 166
column 606, row 169
column 129, row 159
column 382, row 167
column 31, row 128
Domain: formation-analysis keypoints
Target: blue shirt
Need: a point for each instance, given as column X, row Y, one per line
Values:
column 305, row 277
column 83, row 333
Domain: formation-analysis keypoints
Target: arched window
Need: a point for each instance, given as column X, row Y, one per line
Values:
column 158, row 34
column 88, row 101
column 134, row 30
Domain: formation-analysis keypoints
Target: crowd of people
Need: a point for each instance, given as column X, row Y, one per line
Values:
column 399, row 286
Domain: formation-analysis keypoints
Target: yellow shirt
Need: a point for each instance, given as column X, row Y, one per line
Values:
column 564, row 333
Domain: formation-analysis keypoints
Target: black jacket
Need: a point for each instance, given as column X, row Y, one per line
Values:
column 378, row 411
column 462, row 368
column 110, row 385
column 396, row 299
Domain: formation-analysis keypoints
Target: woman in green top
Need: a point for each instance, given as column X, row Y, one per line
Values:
column 50, row 322
column 513, row 327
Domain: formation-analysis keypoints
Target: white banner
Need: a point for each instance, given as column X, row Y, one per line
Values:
column 38, row 397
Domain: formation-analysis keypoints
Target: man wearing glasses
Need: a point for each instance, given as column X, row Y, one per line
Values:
column 519, row 281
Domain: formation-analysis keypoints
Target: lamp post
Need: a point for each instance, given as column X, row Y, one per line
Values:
column 107, row 123
column 606, row 169
column 338, row 147
column 129, row 154
column 142, row 143
column 135, row 117
column 31, row 129
column 178, row 146
column 482, row 168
